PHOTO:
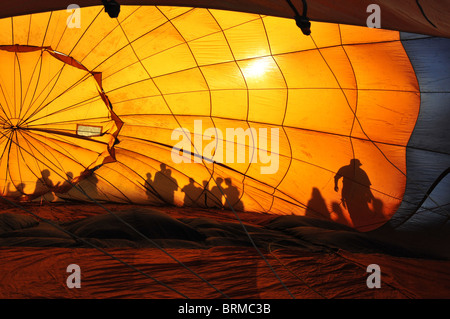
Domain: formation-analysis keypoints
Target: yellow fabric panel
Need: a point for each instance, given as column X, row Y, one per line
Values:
column 309, row 109
column 353, row 35
column 195, row 24
column 211, row 49
column 36, row 33
column 144, row 105
column 136, row 92
column 183, row 81
column 173, row 12
column 192, row 103
column 153, row 131
column 306, row 69
column 394, row 107
column 326, row 35
column 273, row 102
column 118, row 77
column 52, row 32
column 134, row 19
column 156, row 40
column 224, row 76
column 7, row 98
column 21, row 37
column 339, row 64
column 161, row 64
column 73, row 38
column 226, row 102
column 374, row 75
column 98, row 56
column 6, row 31
column 226, row 20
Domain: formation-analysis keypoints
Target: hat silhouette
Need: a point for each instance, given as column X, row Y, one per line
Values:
column 355, row 162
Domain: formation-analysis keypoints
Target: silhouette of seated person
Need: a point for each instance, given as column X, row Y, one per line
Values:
column 233, row 196
column 45, row 186
column 192, row 194
column 15, row 190
column 165, row 185
column 355, row 194
column 46, row 179
column 66, row 185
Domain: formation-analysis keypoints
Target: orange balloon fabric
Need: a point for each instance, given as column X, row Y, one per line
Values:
column 331, row 114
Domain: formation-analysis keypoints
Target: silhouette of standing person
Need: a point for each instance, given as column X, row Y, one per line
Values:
column 172, row 186
column 192, row 193
column 165, row 185
column 160, row 174
column 207, row 199
column 356, row 193
column 317, row 206
column 149, row 186
column 233, row 196
column 205, row 193
column 217, row 194
column 93, row 189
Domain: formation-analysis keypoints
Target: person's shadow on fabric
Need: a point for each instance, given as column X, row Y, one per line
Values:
column 356, row 193
column 208, row 199
column 217, row 194
column 165, row 185
column 317, row 206
column 192, row 194
column 45, row 186
column 232, row 195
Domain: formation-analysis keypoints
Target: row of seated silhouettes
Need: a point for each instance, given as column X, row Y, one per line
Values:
column 44, row 184
column 164, row 186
